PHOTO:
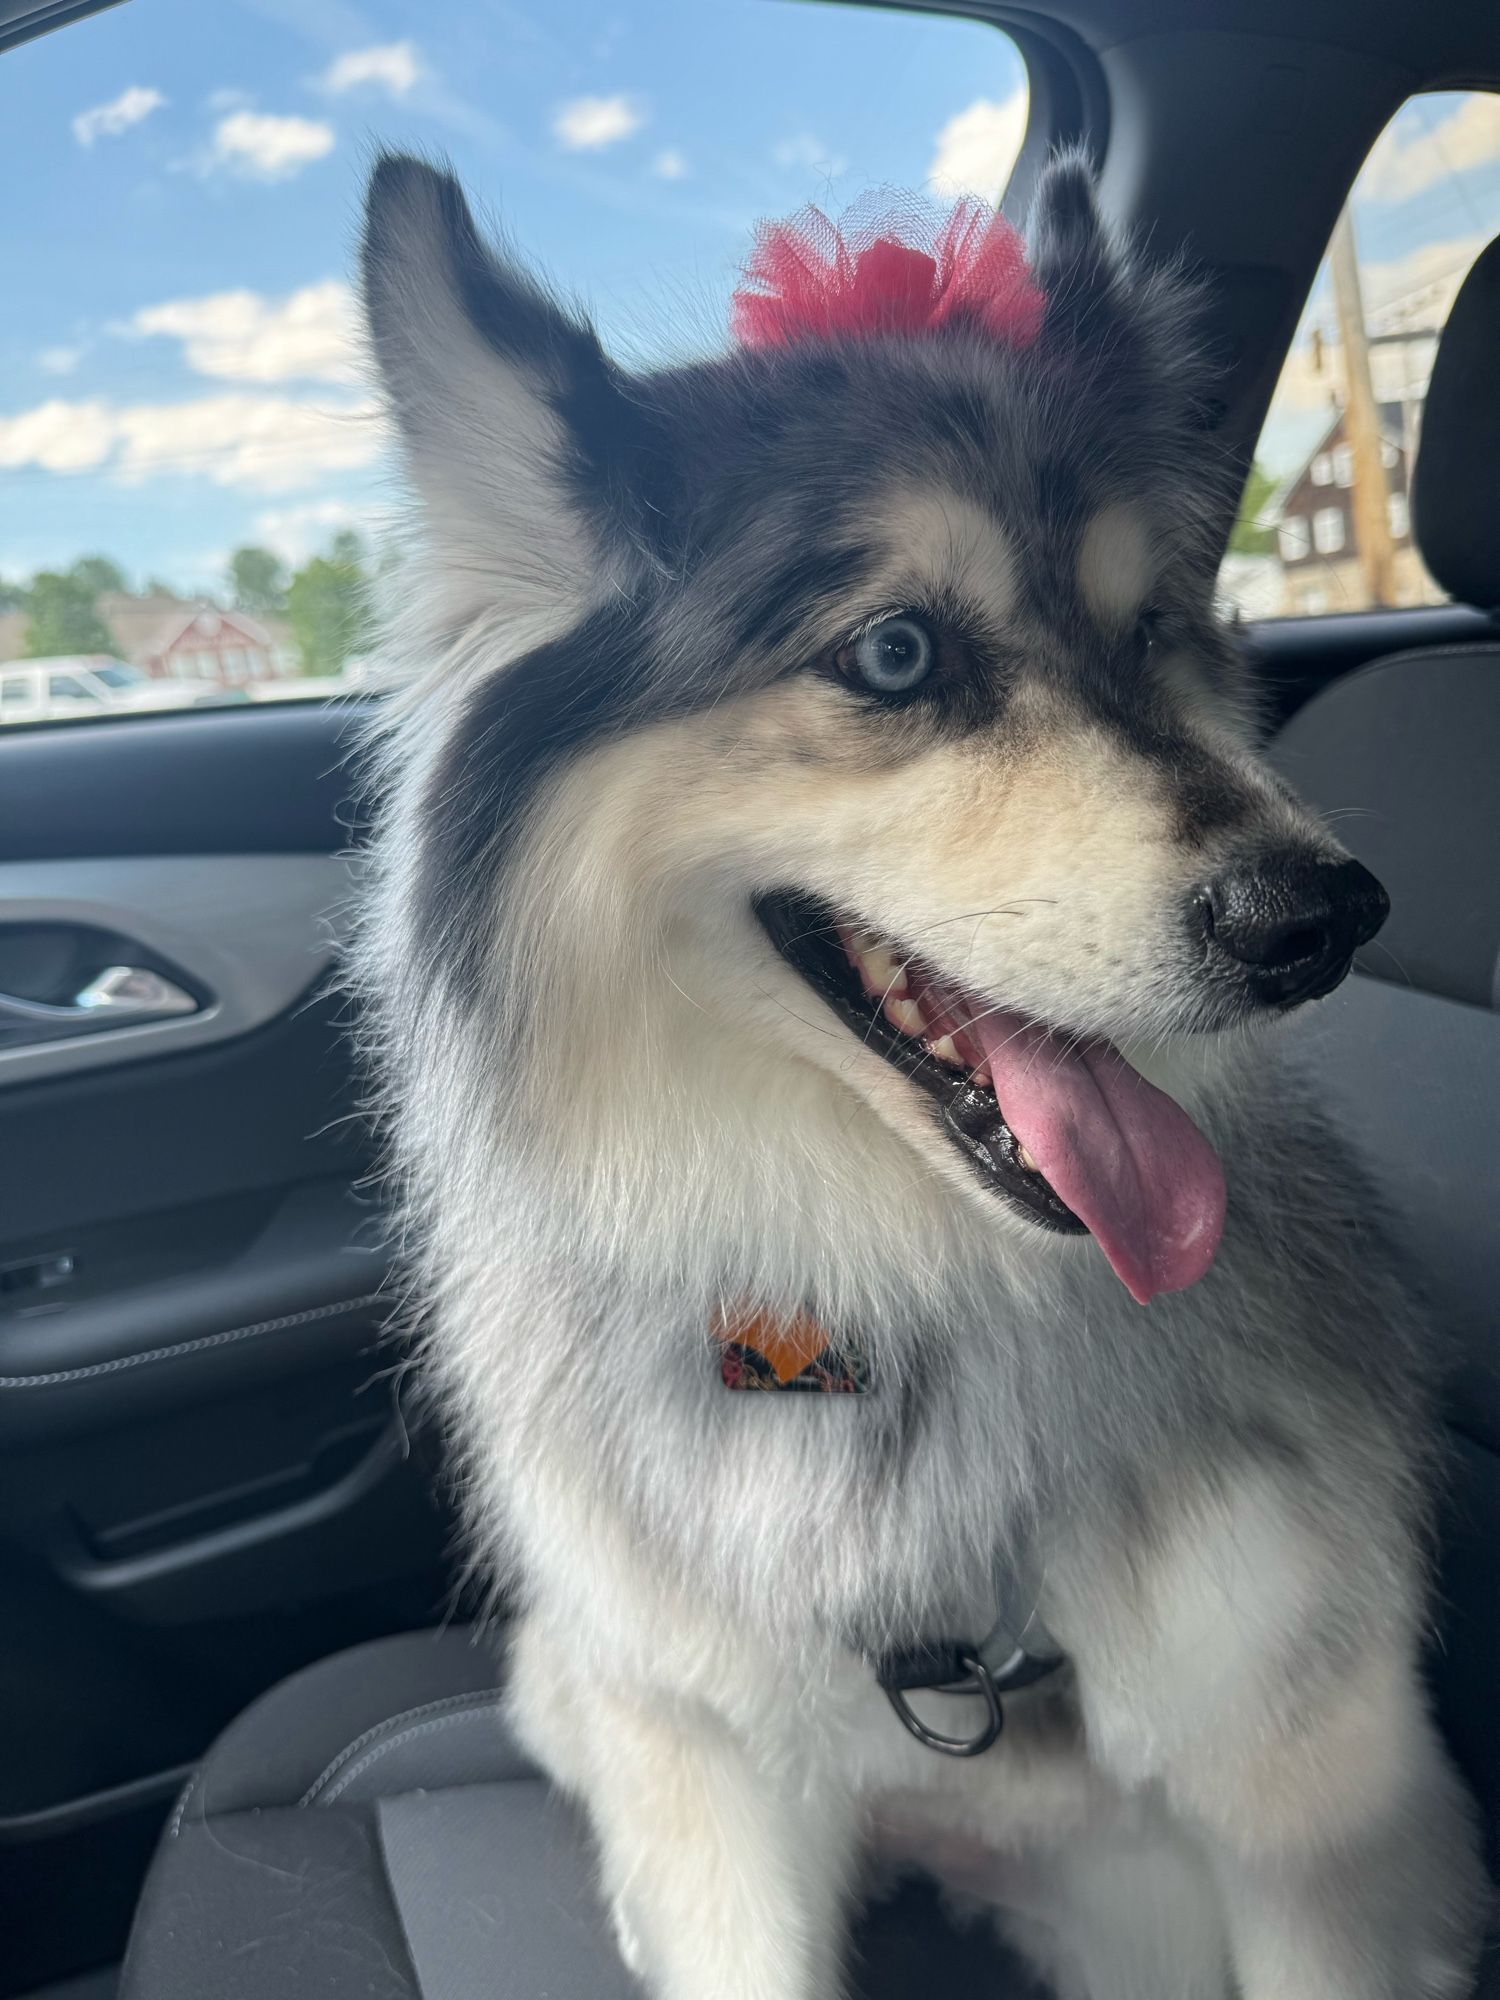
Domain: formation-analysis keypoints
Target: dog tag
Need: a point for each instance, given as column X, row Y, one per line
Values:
column 758, row 1350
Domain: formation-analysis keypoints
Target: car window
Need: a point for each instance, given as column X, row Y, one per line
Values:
column 1346, row 417
column 192, row 469
column 68, row 687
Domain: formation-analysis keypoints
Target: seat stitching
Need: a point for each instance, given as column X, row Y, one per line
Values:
column 353, row 1749
column 373, row 1756
column 198, row 1346
column 182, row 1803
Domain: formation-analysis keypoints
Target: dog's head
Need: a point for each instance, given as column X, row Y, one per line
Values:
column 858, row 703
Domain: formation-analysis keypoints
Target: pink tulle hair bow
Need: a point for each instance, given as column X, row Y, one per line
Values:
column 902, row 270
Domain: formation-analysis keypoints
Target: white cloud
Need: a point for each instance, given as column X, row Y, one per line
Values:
column 58, row 436
column 267, row 148
column 268, row 444
column 59, row 360
column 804, row 150
column 588, row 124
column 295, row 533
column 108, row 121
column 1419, row 288
column 241, row 336
column 393, row 66
column 670, row 165
column 978, row 147
column 228, row 100
column 1410, row 156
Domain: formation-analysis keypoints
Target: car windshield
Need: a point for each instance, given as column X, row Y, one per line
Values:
column 119, row 676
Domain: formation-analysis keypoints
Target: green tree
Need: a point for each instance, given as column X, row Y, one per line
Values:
column 63, row 618
column 98, row 574
column 155, row 587
column 257, row 580
column 12, row 595
column 1254, row 532
column 327, row 605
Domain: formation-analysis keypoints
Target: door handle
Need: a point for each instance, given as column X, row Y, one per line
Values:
column 122, row 996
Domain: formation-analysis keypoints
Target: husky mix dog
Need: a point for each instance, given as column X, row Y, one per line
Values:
column 825, row 878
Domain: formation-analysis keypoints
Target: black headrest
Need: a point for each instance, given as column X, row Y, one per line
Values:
column 1456, row 485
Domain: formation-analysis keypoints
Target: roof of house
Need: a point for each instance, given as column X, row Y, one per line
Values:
column 1392, row 430
column 210, row 621
column 135, row 621
column 145, row 626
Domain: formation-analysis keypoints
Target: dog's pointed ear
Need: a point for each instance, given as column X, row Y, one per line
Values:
column 1123, row 324
column 1073, row 257
column 520, row 436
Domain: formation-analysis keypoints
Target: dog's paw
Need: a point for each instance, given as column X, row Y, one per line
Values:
column 627, row 1941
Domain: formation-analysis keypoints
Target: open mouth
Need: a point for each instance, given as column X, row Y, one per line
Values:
column 1060, row 1125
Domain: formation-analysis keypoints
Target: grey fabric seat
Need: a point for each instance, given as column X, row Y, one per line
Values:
column 370, row 1829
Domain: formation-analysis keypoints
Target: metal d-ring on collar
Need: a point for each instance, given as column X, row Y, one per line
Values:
column 1001, row 1664
column 977, row 1680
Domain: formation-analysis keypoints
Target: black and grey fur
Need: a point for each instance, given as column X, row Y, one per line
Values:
column 618, row 723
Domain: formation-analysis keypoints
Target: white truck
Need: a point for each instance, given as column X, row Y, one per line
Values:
column 93, row 684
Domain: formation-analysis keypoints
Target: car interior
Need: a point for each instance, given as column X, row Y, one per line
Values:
column 250, row 1688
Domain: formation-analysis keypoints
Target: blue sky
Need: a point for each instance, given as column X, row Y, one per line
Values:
column 176, row 372
column 174, row 359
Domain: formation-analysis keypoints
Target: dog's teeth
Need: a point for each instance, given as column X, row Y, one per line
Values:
column 882, row 971
column 946, row 1051
column 906, row 1015
column 1026, row 1160
column 981, row 1076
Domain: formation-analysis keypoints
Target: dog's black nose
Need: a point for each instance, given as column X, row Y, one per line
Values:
column 1293, row 921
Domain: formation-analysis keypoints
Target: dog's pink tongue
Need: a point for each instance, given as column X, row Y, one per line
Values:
column 1128, row 1161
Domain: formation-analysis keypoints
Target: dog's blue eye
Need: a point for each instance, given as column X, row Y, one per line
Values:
column 894, row 655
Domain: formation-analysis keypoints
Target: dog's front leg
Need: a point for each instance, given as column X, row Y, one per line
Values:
column 724, row 1879
column 1381, row 1899
column 1262, row 1672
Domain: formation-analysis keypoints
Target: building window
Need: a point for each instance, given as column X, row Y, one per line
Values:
column 1291, row 538
column 1399, row 515
column 1328, row 530
column 234, row 662
column 1322, row 469
column 1390, row 458
column 208, row 666
column 1343, row 464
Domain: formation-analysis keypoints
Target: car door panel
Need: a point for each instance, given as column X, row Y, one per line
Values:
column 207, row 1474
column 239, row 943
